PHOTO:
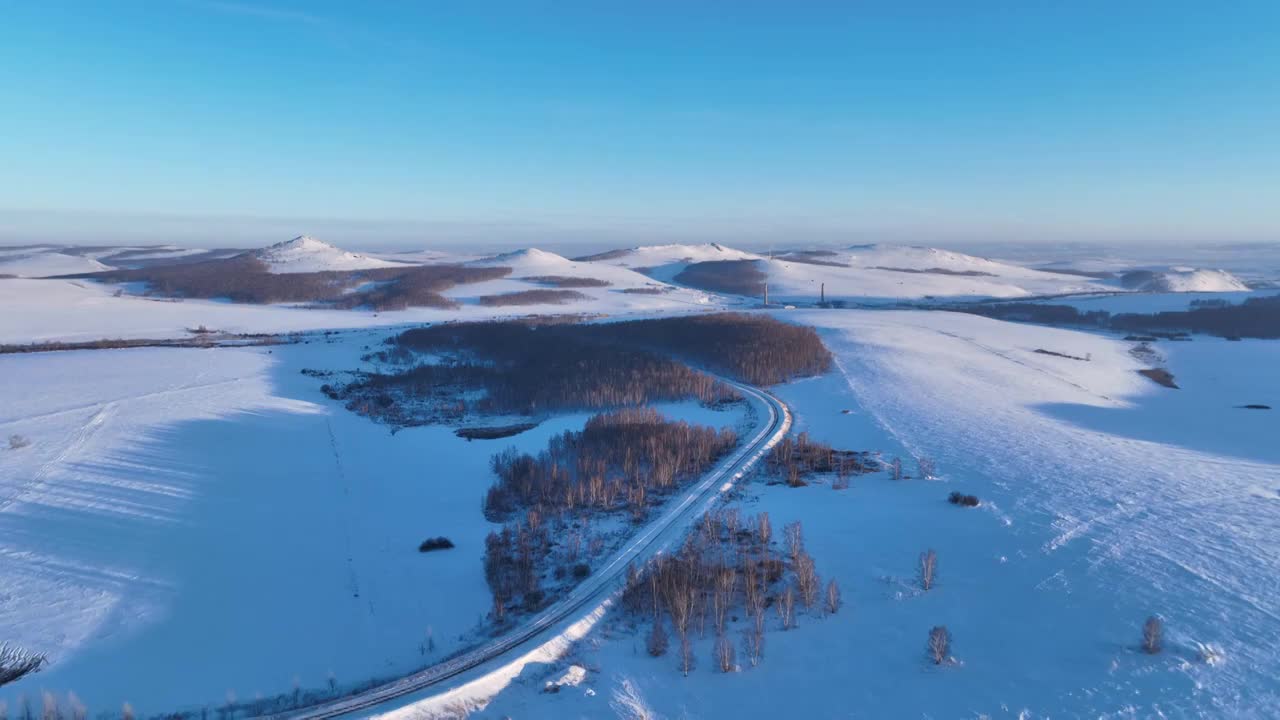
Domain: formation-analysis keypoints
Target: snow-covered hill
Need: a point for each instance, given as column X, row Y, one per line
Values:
column 44, row 262
column 884, row 273
column 307, row 254
column 1182, row 280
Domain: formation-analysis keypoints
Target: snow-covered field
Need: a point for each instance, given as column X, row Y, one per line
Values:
column 192, row 524
column 187, row 525
column 1106, row 498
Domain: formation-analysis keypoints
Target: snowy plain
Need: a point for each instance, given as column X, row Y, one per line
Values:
column 189, row 525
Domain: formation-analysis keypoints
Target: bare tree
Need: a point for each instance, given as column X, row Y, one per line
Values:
column 726, row 581
column 939, row 644
column 895, row 469
column 807, row 579
column 126, row 712
column 726, row 659
column 764, row 529
column 794, row 534
column 928, row 568
column 686, row 655
column 926, row 468
column 78, row 710
column 833, row 597
column 787, row 608
column 657, row 644
column 1152, row 635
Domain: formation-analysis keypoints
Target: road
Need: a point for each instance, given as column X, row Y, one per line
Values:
column 584, row 600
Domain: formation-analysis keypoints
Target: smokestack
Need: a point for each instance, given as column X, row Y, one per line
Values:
column 766, row 294
column 824, row 293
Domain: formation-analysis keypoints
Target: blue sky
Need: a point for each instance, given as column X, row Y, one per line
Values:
column 387, row 123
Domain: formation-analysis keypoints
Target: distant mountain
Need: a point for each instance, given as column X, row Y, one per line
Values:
column 307, row 254
column 1182, row 280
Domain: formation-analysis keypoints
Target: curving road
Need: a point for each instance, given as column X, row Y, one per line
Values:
column 585, row 599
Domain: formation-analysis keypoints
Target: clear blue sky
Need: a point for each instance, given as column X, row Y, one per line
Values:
column 376, row 123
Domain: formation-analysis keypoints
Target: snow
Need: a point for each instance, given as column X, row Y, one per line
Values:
column 190, row 522
column 875, row 274
column 1106, row 499
column 1184, row 280
column 80, row 310
column 306, row 254
column 34, row 264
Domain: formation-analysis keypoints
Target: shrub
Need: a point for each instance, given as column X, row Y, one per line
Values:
column 959, row 498
column 17, row 442
column 581, row 570
column 939, row 644
column 1152, row 635
column 657, row 643
column 435, row 543
column 15, row 663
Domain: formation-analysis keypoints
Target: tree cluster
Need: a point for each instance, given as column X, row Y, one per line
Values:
column 727, row 566
column 532, row 297
column 734, row 277
column 1256, row 317
column 246, row 279
column 619, row 459
column 794, row 459
column 568, row 281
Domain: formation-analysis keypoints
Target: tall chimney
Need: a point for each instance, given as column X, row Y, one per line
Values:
column 824, row 293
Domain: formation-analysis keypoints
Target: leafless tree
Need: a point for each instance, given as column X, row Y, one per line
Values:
column 50, row 711
column 833, row 597
column 126, row 712
column 928, row 568
column 926, row 468
column 726, row 582
column 686, row 655
column 807, row 579
column 78, row 710
column 794, row 534
column 939, row 644
column 787, row 608
column 1152, row 635
column 895, row 469
column 764, row 530
column 657, row 644
column 726, row 658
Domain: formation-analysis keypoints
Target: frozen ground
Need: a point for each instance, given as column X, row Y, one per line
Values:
column 188, row 525
column 1106, row 498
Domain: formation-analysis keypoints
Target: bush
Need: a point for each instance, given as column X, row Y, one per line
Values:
column 16, row 663
column 581, row 570
column 17, row 442
column 939, row 644
column 959, row 498
column 1152, row 635
column 435, row 543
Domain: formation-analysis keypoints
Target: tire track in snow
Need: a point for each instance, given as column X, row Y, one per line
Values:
column 41, row 477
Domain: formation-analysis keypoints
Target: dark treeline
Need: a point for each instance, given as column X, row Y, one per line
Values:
column 532, row 297
column 618, row 460
column 246, row 279
column 736, row 277
column 529, row 368
column 1257, row 317
column 568, row 281
column 752, row 348
column 793, row 459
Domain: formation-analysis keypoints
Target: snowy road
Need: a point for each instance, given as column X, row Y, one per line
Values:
column 505, row 656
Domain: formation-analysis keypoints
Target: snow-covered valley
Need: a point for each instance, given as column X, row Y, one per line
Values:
column 197, row 527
